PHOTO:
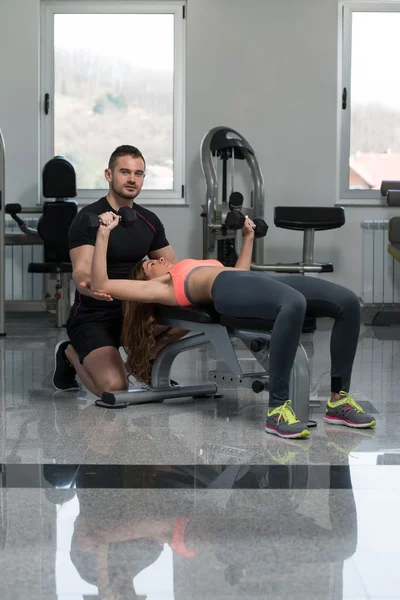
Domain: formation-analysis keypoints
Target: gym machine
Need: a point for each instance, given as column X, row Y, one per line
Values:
column 2, row 223
column 30, row 237
column 56, row 215
column 221, row 214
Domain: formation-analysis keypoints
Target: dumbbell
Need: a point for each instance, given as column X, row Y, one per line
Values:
column 235, row 220
column 127, row 214
column 261, row 228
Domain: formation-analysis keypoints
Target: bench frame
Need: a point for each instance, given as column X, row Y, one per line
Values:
column 209, row 330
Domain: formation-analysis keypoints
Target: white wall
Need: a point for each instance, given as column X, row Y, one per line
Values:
column 19, row 97
column 267, row 68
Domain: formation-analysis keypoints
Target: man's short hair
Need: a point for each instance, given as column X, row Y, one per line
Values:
column 124, row 150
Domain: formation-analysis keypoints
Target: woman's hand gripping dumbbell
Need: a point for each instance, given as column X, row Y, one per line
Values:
column 107, row 221
column 126, row 216
column 236, row 220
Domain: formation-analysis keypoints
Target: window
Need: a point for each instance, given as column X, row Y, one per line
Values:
column 370, row 102
column 112, row 73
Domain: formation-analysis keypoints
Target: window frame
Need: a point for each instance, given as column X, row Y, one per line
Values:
column 346, row 10
column 177, row 7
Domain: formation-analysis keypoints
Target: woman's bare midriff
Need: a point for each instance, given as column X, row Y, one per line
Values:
column 201, row 281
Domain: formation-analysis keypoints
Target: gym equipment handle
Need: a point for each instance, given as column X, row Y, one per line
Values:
column 344, row 99
column 46, row 104
column 13, row 209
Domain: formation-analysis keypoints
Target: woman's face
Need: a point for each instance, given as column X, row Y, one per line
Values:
column 156, row 267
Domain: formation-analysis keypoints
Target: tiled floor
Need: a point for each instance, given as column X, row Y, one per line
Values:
column 219, row 510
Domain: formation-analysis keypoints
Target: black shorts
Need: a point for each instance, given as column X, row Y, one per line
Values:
column 90, row 329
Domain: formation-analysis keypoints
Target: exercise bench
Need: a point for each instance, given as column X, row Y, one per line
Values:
column 394, row 237
column 209, row 327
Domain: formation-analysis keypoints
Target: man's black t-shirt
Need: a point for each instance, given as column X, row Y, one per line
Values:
column 126, row 246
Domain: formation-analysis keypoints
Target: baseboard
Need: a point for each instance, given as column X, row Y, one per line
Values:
column 24, row 306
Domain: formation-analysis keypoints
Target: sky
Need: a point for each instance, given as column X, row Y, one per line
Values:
column 375, row 46
column 147, row 38
column 376, row 58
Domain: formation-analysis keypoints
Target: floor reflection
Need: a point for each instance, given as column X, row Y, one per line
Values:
column 210, row 543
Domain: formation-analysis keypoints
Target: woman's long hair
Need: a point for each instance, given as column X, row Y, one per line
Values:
column 138, row 332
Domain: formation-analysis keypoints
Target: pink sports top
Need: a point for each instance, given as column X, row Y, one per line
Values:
column 180, row 274
column 178, row 539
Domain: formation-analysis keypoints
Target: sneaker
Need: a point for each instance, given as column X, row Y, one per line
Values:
column 64, row 373
column 344, row 441
column 347, row 412
column 283, row 422
column 288, row 452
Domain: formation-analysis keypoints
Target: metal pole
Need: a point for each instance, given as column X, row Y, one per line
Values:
column 232, row 173
column 258, row 203
column 308, row 246
column 224, row 179
column 2, row 234
column 289, row 268
column 211, row 177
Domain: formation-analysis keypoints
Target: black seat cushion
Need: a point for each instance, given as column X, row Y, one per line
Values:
column 309, row 217
column 50, row 267
column 53, row 228
column 309, row 324
column 394, row 230
column 206, row 314
column 59, row 178
column 235, row 323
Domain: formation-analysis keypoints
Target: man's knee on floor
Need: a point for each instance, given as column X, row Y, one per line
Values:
column 112, row 382
column 106, row 369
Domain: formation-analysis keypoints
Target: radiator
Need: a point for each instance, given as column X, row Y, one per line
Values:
column 19, row 284
column 381, row 272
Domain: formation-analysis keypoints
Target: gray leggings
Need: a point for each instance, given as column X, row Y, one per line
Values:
column 287, row 299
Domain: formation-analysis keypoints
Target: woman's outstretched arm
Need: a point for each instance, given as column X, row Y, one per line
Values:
column 244, row 259
column 123, row 289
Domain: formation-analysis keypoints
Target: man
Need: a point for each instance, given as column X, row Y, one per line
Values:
column 95, row 323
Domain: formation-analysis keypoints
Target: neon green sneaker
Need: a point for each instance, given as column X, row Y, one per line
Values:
column 288, row 452
column 347, row 412
column 283, row 422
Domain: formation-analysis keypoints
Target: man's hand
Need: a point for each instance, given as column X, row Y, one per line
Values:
column 96, row 295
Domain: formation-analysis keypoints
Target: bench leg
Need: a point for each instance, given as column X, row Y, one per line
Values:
column 63, row 301
column 299, row 385
column 160, row 388
column 300, row 379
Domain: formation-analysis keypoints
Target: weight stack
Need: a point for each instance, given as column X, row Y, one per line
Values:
column 226, row 252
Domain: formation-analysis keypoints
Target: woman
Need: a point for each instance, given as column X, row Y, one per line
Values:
column 238, row 292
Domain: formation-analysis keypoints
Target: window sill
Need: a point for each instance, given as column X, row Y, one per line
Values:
column 363, row 202
column 143, row 202
column 146, row 203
